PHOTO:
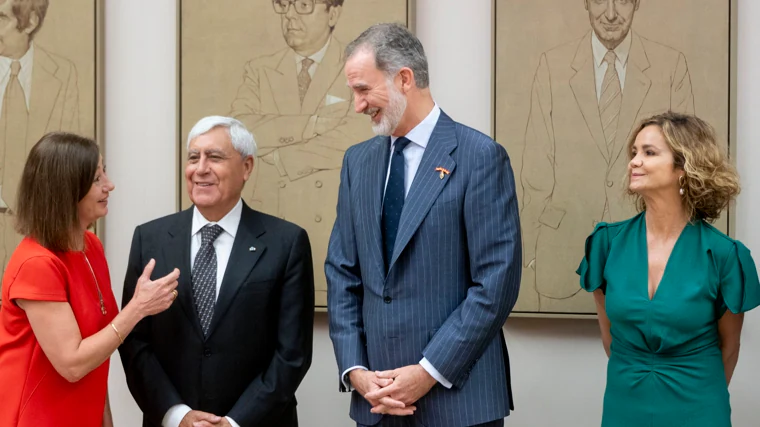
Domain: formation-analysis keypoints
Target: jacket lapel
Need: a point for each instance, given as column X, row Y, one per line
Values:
column 177, row 254
column 45, row 88
column 328, row 70
column 584, row 89
column 285, row 83
column 427, row 182
column 377, row 168
column 637, row 86
column 241, row 262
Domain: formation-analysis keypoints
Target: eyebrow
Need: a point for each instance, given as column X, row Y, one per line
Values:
column 358, row 86
column 208, row 151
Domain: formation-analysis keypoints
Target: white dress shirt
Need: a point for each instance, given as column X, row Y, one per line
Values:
column 223, row 248
column 316, row 57
column 419, row 137
column 24, row 75
column 600, row 67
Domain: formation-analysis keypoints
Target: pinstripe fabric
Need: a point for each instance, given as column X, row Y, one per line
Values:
column 452, row 280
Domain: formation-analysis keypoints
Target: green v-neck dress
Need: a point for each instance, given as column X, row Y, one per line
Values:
column 665, row 367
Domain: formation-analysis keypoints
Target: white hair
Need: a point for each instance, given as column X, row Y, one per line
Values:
column 241, row 139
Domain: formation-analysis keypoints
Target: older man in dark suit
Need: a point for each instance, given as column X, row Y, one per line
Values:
column 238, row 344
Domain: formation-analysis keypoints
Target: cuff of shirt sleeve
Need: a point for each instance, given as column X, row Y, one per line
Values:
column 232, row 422
column 174, row 415
column 434, row 373
column 345, row 380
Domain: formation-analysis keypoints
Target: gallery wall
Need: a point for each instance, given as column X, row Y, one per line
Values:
column 558, row 365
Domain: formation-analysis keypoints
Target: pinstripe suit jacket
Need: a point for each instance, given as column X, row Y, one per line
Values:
column 453, row 278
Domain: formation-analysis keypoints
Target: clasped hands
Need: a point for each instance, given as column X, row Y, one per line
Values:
column 393, row 392
column 203, row 419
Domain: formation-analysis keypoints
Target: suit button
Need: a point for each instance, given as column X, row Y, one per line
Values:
column 610, row 183
column 207, row 352
column 283, row 184
column 283, row 140
column 387, row 300
column 318, row 184
column 317, row 218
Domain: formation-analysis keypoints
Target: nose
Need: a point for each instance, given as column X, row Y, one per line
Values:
column 108, row 185
column 290, row 12
column 202, row 166
column 360, row 104
column 611, row 12
column 635, row 162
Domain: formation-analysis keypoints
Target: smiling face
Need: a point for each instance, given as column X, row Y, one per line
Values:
column 652, row 167
column 375, row 94
column 215, row 173
column 94, row 204
column 611, row 19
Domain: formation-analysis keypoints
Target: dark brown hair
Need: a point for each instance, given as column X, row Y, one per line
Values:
column 23, row 9
column 710, row 182
column 58, row 173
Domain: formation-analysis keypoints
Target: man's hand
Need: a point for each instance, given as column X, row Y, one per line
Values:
column 201, row 419
column 366, row 382
column 410, row 383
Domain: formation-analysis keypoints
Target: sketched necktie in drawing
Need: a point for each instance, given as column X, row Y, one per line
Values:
column 304, row 78
column 14, row 125
column 610, row 101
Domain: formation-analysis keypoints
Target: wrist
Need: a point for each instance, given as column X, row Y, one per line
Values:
column 133, row 312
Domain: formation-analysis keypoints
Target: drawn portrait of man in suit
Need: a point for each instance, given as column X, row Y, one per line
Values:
column 39, row 95
column 299, row 108
column 586, row 97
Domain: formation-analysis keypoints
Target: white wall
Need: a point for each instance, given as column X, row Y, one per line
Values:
column 558, row 365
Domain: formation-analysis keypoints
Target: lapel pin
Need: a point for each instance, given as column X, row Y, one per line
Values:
column 251, row 249
column 443, row 171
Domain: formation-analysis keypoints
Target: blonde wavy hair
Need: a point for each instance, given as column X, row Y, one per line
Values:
column 710, row 182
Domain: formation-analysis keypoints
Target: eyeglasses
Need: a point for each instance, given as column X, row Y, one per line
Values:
column 303, row 7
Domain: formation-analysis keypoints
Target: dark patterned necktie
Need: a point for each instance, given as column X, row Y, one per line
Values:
column 393, row 202
column 304, row 78
column 204, row 276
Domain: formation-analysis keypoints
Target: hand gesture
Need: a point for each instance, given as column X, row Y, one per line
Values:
column 154, row 296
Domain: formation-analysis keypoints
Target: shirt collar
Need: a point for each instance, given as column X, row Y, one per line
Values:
column 316, row 57
column 26, row 62
column 421, row 133
column 229, row 223
column 622, row 50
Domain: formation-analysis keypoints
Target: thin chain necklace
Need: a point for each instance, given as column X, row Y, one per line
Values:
column 97, row 286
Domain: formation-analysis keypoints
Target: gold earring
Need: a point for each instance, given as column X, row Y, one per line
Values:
column 681, row 181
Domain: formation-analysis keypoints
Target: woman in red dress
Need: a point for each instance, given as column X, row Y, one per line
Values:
column 59, row 322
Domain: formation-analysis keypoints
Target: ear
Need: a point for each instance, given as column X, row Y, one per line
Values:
column 247, row 167
column 636, row 5
column 407, row 79
column 34, row 22
column 334, row 13
column 585, row 4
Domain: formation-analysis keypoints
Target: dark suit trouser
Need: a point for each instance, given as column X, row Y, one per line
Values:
column 410, row 422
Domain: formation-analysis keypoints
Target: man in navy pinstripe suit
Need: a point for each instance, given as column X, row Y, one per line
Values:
column 424, row 260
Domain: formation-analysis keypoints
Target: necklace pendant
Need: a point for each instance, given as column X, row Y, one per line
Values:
column 103, row 307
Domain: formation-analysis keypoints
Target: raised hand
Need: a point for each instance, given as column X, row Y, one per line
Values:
column 154, row 296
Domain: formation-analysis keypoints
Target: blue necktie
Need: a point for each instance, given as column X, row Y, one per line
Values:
column 393, row 202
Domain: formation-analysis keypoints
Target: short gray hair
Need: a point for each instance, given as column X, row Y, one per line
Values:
column 395, row 47
column 241, row 139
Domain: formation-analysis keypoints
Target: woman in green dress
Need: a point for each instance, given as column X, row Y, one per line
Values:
column 670, row 289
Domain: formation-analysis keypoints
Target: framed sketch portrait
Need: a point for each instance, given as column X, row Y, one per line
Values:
column 48, row 82
column 573, row 79
column 277, row 65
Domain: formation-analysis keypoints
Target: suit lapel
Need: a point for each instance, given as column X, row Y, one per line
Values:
column 583, row 84
column 241, row 262
column 637, row 86
column 427, row 182
column 327, row 71
column 177, row 254
column 284, row 84
column 377, row 169
column 45, row 88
